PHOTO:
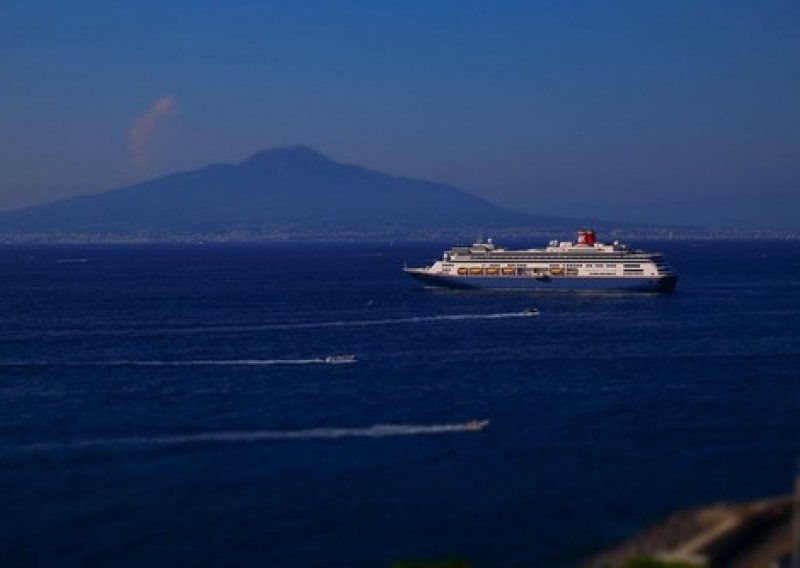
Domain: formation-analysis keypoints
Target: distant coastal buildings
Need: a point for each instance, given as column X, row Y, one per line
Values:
column 534, row 236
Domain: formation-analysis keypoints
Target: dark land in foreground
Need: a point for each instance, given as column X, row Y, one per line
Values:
column 755, row 534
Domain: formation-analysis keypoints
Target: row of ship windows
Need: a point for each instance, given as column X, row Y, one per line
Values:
column 581, row 265
column 582, row 255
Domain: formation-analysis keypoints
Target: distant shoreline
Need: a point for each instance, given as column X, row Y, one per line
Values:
column 417, row 236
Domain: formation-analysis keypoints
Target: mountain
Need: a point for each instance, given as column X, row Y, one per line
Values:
column 283, row 189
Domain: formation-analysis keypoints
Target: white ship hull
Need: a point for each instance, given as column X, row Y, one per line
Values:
column 632, row 284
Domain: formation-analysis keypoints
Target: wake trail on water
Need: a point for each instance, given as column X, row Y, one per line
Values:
column 375, row 431
column 286, row 326
column 188, row 363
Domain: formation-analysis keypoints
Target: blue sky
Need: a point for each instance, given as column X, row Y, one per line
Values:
column 653, row 111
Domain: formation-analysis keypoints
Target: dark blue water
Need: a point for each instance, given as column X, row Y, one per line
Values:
column 132, row 434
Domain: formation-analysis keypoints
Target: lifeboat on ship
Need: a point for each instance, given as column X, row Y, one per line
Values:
column 476, row 270
column 509, row 271
column 463, row 271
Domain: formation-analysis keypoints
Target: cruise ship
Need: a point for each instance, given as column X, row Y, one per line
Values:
column 581, row 265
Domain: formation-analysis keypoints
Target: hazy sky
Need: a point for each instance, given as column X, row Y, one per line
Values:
column 669, row 111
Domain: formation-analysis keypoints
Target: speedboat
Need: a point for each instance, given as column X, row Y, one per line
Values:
column 340, row 359
column 475, row 425
column 530, row 312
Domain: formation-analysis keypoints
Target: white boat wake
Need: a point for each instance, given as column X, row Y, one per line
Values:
column 375, row 431
column 330, row 360
column 204, row 329
column 366, row 323
column 418, row 319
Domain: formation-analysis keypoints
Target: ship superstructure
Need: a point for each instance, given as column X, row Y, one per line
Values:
column 581, row 265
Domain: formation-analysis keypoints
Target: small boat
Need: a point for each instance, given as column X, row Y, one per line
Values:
column 476, row 425
column 340, row 359
column 530, row 312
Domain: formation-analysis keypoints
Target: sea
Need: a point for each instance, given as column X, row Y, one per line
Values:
column 172, row 405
